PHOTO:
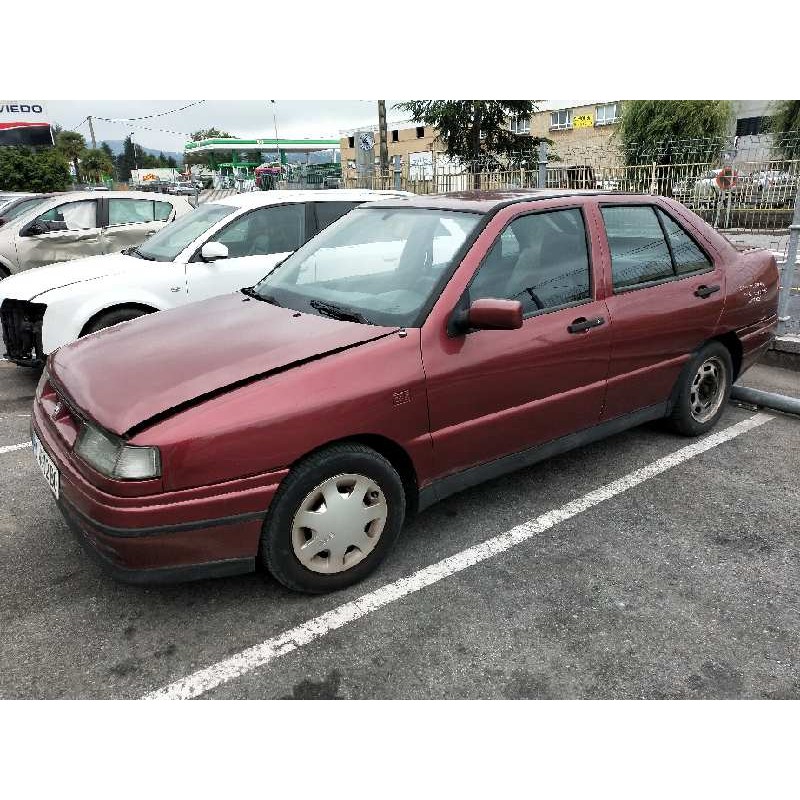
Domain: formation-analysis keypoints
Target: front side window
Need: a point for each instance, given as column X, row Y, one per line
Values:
column 172, row 239
column 328, row 213
column 127, row 211
column 265, row 231
column 540, row 259
column 375, row 265
column 560, row 120
column 78, row 216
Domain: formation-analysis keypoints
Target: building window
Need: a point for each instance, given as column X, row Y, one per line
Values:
column 395, row 135
column 752, row 126
column 561, row 120
column 421, row 132
column 521, row 125
column 351, row 141
column 607, row 114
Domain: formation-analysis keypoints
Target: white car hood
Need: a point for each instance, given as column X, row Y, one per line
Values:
column 30, row 283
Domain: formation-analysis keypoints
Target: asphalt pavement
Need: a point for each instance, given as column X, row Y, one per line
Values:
column 683, row 585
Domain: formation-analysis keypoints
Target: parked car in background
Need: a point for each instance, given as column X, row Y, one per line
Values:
column 72, row 225
column 217, row 248
column 704, row 189
column 297, row 424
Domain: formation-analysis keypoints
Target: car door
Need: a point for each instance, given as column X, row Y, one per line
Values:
column 62, row 233
column 256, row 242
column 665, row 298
column 130, row 220
column 492, row 393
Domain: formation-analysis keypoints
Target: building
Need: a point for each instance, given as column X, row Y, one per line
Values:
column 415, row 144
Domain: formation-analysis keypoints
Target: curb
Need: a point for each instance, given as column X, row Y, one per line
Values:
column 784, row 352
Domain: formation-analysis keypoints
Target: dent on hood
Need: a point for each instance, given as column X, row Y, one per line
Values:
column 209, row 395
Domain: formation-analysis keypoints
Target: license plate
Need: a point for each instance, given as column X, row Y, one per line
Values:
column 46, row 465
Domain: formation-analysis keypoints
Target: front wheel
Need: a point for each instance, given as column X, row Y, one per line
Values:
column 704, row 391
column 113, row 317
column 334, row 519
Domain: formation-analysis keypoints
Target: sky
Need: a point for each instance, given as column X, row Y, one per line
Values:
column 309, row 119
column 243, row 118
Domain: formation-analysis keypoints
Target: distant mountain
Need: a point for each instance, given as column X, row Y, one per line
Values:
column 117, row 146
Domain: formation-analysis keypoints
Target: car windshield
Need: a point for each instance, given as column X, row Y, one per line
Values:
column 374, row 265
column 172, row 239
column 18, row 208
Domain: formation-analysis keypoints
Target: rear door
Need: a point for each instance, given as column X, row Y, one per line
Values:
column 665, row 298
column 129, row 221
column 256, row 240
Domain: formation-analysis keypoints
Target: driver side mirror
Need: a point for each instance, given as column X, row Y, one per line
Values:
column 488, row 314
column 213, row 251
column 36, row 228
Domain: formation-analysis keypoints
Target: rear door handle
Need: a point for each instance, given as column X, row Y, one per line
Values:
column 705, row 291
column 583, row 324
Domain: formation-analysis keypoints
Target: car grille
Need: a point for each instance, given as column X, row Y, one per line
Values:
column 22, row 330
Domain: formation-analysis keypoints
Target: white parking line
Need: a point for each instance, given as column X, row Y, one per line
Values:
column 259, row 655
column 9, row 448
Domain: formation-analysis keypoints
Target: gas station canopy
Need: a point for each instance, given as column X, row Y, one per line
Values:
column 286, row 145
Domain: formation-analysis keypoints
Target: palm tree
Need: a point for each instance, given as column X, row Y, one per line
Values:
column 72, row 146
column 95, row 163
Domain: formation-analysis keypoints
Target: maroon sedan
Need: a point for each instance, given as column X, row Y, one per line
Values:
column 411, row 350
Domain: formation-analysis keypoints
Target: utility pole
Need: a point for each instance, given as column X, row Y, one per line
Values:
column 91, row 133
column 275, row 121
column 382, row 132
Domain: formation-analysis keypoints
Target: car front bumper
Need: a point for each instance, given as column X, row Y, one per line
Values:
column 168, row 537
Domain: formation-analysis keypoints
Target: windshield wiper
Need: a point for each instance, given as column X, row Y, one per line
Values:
column 250, row 291
column 135, row 251
column 338, row 312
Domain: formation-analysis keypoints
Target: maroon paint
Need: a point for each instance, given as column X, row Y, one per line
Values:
column 498, row 315
column 447, row 402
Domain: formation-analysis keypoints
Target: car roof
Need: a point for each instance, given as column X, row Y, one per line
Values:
column 90, row 194
column 274, row 197
column 486, row 201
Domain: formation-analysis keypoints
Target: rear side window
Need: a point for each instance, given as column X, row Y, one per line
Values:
column 540, row 260
column 127, row 211
column 688, row 257
column 639, row 252
column 330, row 212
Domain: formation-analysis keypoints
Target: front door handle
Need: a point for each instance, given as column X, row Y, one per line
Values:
column 582, row 324
column 706, row 291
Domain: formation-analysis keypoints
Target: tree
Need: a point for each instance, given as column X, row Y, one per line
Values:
column 472, row 130
column 95, row 163
column 126, row 160
column 72, row 145
column 26, row 170
column 670, row 131
column 786, row 125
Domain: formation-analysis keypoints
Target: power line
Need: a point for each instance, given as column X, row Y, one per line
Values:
column 151, row 116
column 143, row 127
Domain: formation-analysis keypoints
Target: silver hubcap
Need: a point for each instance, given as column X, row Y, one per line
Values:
column 339, row 523
column 708, row 389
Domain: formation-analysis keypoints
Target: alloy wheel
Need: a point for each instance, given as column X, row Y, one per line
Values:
column 707, row 390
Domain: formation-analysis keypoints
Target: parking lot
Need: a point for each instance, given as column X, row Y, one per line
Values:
column 673, row 581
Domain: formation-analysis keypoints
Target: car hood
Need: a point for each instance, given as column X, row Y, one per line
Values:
column 128, row 374
column 31, row 283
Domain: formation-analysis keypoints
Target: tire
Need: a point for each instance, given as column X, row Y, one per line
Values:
column 113, row 318
column 4, row 273
column 705, row 386
column 344, row 473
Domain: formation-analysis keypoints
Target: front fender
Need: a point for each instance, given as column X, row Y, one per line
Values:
column 71, row 307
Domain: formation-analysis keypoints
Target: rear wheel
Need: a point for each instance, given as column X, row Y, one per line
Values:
column 334, row 519
column 704, row 391
column 113, row 318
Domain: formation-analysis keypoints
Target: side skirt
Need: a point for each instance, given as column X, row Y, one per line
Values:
column 444, row 487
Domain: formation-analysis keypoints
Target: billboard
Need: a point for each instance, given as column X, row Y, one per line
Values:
column 23, row 122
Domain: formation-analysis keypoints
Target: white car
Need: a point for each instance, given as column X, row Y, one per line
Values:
column 219, row 247
column 70, row 225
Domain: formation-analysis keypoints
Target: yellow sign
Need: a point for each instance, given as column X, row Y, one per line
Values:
column 583, row 121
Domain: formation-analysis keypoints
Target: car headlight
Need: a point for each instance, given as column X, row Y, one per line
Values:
column 115, row 459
